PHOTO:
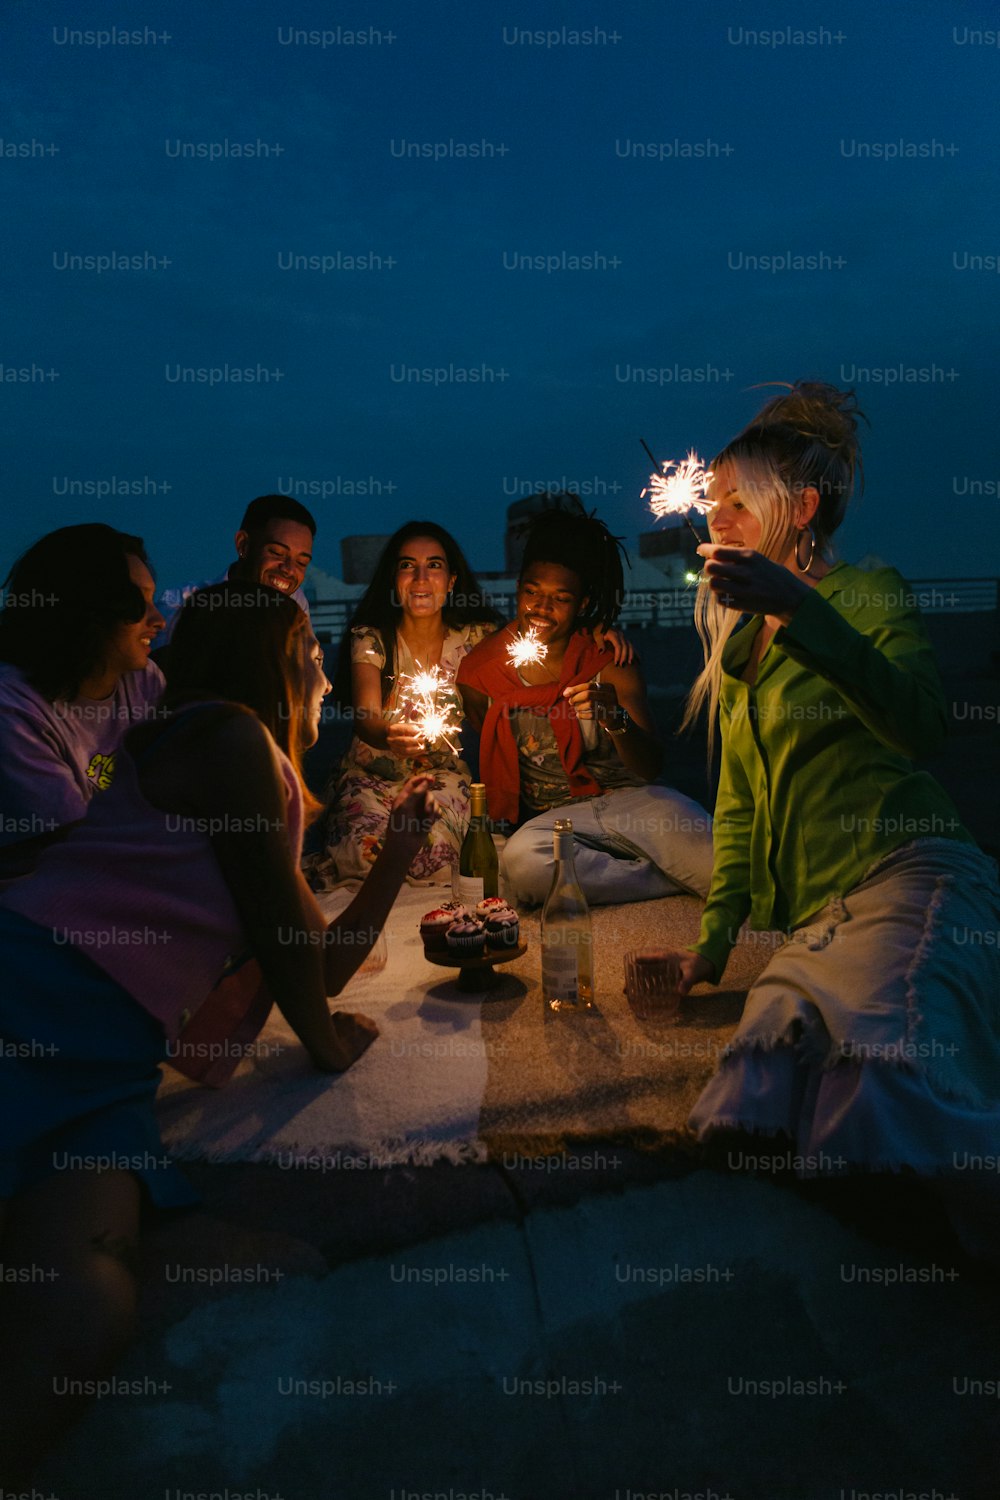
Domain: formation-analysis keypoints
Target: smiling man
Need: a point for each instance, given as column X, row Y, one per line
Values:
column 273, row 546
column 571, row 734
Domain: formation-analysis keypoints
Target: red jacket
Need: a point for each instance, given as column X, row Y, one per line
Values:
column 487, row 669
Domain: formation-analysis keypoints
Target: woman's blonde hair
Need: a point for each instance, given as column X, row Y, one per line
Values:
column 804, row 439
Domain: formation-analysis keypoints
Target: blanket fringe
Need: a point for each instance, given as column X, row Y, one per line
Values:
column 373, row 1158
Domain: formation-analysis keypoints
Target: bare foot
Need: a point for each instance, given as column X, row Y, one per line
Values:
column 352, row 1035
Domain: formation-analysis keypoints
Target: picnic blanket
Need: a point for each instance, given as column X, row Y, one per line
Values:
column 460, row 1077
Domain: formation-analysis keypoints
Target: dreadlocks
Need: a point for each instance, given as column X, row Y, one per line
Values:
column 583, row 544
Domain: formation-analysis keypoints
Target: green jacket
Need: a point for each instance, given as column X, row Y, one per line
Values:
column 817, row 779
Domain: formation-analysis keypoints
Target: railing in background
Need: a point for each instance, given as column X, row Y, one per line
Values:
column 673, row 606
column 963, row 596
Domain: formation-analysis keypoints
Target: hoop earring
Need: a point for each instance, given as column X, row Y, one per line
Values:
column 807, row 565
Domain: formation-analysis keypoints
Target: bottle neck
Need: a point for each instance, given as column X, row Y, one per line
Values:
column 563, row 852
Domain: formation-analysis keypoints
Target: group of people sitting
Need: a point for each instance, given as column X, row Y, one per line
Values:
column 152, row 823
column 571, row 727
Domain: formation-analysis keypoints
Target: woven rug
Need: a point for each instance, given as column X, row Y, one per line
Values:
column 472, row 1077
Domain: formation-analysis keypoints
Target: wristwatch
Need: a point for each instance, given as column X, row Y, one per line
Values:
column 619, row 722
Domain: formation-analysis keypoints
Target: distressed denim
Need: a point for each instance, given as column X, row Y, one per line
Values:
column 633, row 844
column 872, row 1037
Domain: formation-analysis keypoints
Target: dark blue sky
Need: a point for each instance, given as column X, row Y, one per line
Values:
column 783, row 129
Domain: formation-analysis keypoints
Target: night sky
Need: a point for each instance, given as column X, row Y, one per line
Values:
column 867, row 146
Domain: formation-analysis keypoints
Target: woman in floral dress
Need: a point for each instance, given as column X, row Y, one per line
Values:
column 423, row 610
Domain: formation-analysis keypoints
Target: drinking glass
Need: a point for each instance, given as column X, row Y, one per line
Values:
column 651, row 980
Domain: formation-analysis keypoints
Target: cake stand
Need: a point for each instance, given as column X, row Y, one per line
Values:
column 477, row 973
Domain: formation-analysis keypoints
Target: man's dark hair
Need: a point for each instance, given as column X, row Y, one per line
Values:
column 275, row 508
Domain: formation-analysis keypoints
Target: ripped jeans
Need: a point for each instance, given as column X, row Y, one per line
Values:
column 632, row 844
column 872, row 1037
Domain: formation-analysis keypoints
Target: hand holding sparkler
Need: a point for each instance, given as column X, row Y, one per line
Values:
column 420, row 712
column 404, row 739
column 748, row 582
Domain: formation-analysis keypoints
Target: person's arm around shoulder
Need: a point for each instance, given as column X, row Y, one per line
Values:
column 237, row 784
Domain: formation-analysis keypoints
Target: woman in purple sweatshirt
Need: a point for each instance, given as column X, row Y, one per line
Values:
column 77, row 622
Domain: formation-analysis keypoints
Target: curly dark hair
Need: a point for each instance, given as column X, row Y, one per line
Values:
column 63, row 600
column 583, row 544
column 381, row 609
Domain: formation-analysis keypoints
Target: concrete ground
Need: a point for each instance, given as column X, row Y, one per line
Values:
column 617, row 1327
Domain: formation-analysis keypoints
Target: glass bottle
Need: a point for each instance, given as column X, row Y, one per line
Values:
column 478, row 866
column 567, row 940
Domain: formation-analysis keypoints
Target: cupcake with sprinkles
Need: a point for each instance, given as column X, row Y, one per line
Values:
column 466, row 938
column 489, row 905
column 434, row 926
column 503, row 930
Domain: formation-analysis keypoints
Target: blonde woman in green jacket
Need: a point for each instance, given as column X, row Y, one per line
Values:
column 872, row 1038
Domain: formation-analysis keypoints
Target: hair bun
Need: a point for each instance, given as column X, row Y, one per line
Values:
column 817, row 411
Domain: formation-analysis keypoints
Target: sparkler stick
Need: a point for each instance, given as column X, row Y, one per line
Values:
column 651, row 455
column 678, row 488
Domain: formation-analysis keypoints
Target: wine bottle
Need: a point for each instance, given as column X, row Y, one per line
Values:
column 478, row 866
column 567, row 941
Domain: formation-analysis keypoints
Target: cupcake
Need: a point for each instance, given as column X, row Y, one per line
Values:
column 433, row 927
column 503, row 930
column 489, row 905
column 466, row 938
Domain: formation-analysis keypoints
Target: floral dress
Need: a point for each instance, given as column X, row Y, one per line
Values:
column 368, row 780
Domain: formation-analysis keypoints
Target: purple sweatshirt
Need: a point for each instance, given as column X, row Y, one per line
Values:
column 141, row 893
column 55, row 756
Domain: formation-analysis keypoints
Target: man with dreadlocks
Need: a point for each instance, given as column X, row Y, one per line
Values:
column 572, row 733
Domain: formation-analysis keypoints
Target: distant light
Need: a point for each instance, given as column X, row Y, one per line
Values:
column 691, row 577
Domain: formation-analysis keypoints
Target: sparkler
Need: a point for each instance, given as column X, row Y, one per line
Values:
column 526, row 649
column 679, row 488
column 418, row 705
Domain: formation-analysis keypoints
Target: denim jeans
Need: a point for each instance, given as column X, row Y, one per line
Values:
column 633, row 844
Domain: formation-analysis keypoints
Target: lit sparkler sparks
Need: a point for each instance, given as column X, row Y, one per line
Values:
column 425, row 684
column 679, row 488
column 418, row 705
column 526, row 649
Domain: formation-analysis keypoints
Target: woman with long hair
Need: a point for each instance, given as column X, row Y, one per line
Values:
column 872, row 1038
column 76, row 627
column 422, row 612
column 171, row 915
